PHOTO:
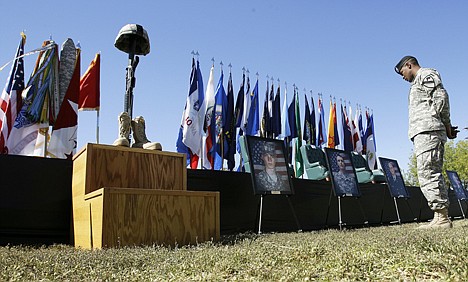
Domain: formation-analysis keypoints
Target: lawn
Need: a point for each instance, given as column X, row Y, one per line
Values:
column 397, row 252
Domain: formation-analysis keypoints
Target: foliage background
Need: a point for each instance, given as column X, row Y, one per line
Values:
column 455, row 158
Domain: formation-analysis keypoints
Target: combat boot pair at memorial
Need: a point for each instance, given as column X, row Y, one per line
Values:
column 138, row 127
column 440, row 220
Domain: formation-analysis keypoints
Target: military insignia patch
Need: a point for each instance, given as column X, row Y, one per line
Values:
column 429, row 82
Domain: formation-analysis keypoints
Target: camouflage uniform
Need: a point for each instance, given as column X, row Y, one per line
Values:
column 429, row 112
column 267, row 183
column 345, row 183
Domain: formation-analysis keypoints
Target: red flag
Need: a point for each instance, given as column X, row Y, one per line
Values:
column 90, row 86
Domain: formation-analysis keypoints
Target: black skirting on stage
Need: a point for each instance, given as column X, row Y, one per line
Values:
column 36, row 199
column 239, row 207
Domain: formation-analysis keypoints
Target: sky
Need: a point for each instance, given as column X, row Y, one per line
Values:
column 343, row 49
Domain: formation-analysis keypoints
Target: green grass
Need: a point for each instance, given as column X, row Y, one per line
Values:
column 398, row 252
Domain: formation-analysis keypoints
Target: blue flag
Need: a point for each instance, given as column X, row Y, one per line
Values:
column 347, row 139
column 292, row 116
column 308, row 131
column 253, row 117
column 229, row 127
column 276, row 114
column 217, row 123
column 321, row 139
column 313, row 141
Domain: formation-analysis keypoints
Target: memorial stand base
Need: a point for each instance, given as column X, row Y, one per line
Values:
column 155, row 209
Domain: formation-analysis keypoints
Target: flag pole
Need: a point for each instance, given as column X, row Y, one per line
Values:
column 46, row 133
column 201, row 152
column 97, row 126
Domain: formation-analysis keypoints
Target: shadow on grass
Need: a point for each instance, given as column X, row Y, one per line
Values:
column 233, row 239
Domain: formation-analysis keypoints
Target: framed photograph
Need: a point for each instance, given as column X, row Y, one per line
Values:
column 269, row 167
column 342, row 172
column 457, row 185
column 395, row 181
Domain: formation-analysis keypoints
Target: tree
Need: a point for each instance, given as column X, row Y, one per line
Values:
column 455, row 158
column 411, row 176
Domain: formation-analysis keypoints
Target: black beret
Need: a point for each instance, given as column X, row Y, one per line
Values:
column 402, row 62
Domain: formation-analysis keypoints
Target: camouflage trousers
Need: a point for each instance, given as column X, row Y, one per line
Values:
column 429, row 150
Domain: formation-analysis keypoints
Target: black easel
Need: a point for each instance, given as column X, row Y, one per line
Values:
column 260, row 211
column 461, row 208
column 396, row 208
column 340, row 217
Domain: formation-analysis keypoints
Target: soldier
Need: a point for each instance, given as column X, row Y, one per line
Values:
column 429, row 127
column 269, row 179
column 395, row 182
column 344, row 180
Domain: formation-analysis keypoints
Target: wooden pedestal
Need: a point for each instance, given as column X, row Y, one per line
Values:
column 147, row 204
column 124, row 217
column 97, row 166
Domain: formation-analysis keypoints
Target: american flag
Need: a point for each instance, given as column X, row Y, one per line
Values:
column 348, row 164
column 10, row 101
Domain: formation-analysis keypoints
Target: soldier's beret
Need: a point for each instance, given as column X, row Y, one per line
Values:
column 402, row 62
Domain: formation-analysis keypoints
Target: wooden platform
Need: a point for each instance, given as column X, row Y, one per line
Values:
column 96, row 166
column 115, row 217
column 148, row 202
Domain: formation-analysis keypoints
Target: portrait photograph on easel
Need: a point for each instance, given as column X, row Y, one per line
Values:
column 270, row 174
column 396, row 185
column 343, row 175
column 457, row 185
column 395, row 181
column 460, row 192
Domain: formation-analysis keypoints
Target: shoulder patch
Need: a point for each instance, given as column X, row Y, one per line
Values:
column 429, row 82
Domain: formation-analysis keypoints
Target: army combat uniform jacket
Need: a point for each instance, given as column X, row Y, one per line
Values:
column 429, row 108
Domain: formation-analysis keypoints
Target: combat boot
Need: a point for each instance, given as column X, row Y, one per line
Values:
column 440, row 220
column 141, row 141
column 443, row 220
column 124, row 131
column 432, row 222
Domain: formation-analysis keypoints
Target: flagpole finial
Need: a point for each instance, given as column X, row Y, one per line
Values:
column 248, row 72
column 257, row 75
column 212, row 61
column 193, row 54
column 221, row 64
column 268, row 77
column 78, row 45
column 278, row 80
column 197, row 54
column 243, row 70
column 272, row 79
